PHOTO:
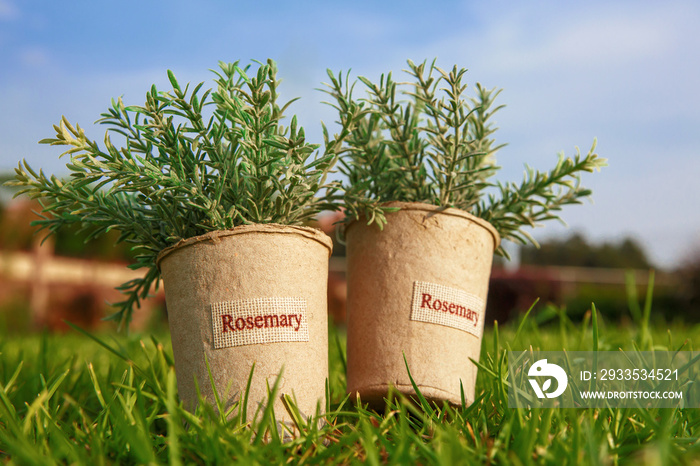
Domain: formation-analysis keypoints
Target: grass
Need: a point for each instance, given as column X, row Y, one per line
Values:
column 77, row 399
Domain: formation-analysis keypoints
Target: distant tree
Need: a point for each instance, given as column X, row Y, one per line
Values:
column 689, row 274
column 70, row 241
column 15, row 230
column 16, row 233
column 576, row 251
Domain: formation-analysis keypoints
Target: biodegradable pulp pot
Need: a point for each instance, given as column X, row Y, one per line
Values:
column 252, row 295
column 418, row 287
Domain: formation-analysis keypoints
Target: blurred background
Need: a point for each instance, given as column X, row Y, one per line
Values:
column 62, row 278
column 623, row 72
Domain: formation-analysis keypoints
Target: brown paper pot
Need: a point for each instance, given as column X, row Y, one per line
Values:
column 252, row 295
column 417, row 288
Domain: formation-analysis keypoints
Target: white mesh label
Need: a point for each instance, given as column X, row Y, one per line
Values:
column 260, row 320
column 451, row 307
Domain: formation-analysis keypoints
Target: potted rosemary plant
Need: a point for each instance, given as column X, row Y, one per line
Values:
column 424, row 218
column 214, row 193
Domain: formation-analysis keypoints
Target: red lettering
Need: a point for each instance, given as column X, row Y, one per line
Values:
column 452, row 308
column 229, row 324
column 298, row 318
column 226, row 321
column 269, row 321
column 240, row 323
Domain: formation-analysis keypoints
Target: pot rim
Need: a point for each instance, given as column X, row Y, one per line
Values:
column 441, row 210
column 264, row 228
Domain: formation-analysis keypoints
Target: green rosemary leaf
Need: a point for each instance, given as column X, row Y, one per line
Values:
column 429, row 142
column 181, row 173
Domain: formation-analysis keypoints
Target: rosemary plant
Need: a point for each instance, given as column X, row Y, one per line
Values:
column 190, row 162
column 436, row 146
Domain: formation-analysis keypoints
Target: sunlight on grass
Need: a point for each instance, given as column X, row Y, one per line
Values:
column 85, row 399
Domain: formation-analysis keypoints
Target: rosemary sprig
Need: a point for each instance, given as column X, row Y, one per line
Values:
column 189, row 162
column 435, row 145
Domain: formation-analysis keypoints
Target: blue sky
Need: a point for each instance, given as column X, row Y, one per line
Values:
column 626, row 73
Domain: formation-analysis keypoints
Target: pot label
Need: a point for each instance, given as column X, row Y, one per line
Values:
column 451, row 307
column 260, row 320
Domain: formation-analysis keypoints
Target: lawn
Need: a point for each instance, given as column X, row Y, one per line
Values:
column 112, row 399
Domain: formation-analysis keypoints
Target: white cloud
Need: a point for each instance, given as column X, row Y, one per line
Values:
column 34, row 57
column 626, row 74
column 8, row 11
column 581, row 39
column 528, row 43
